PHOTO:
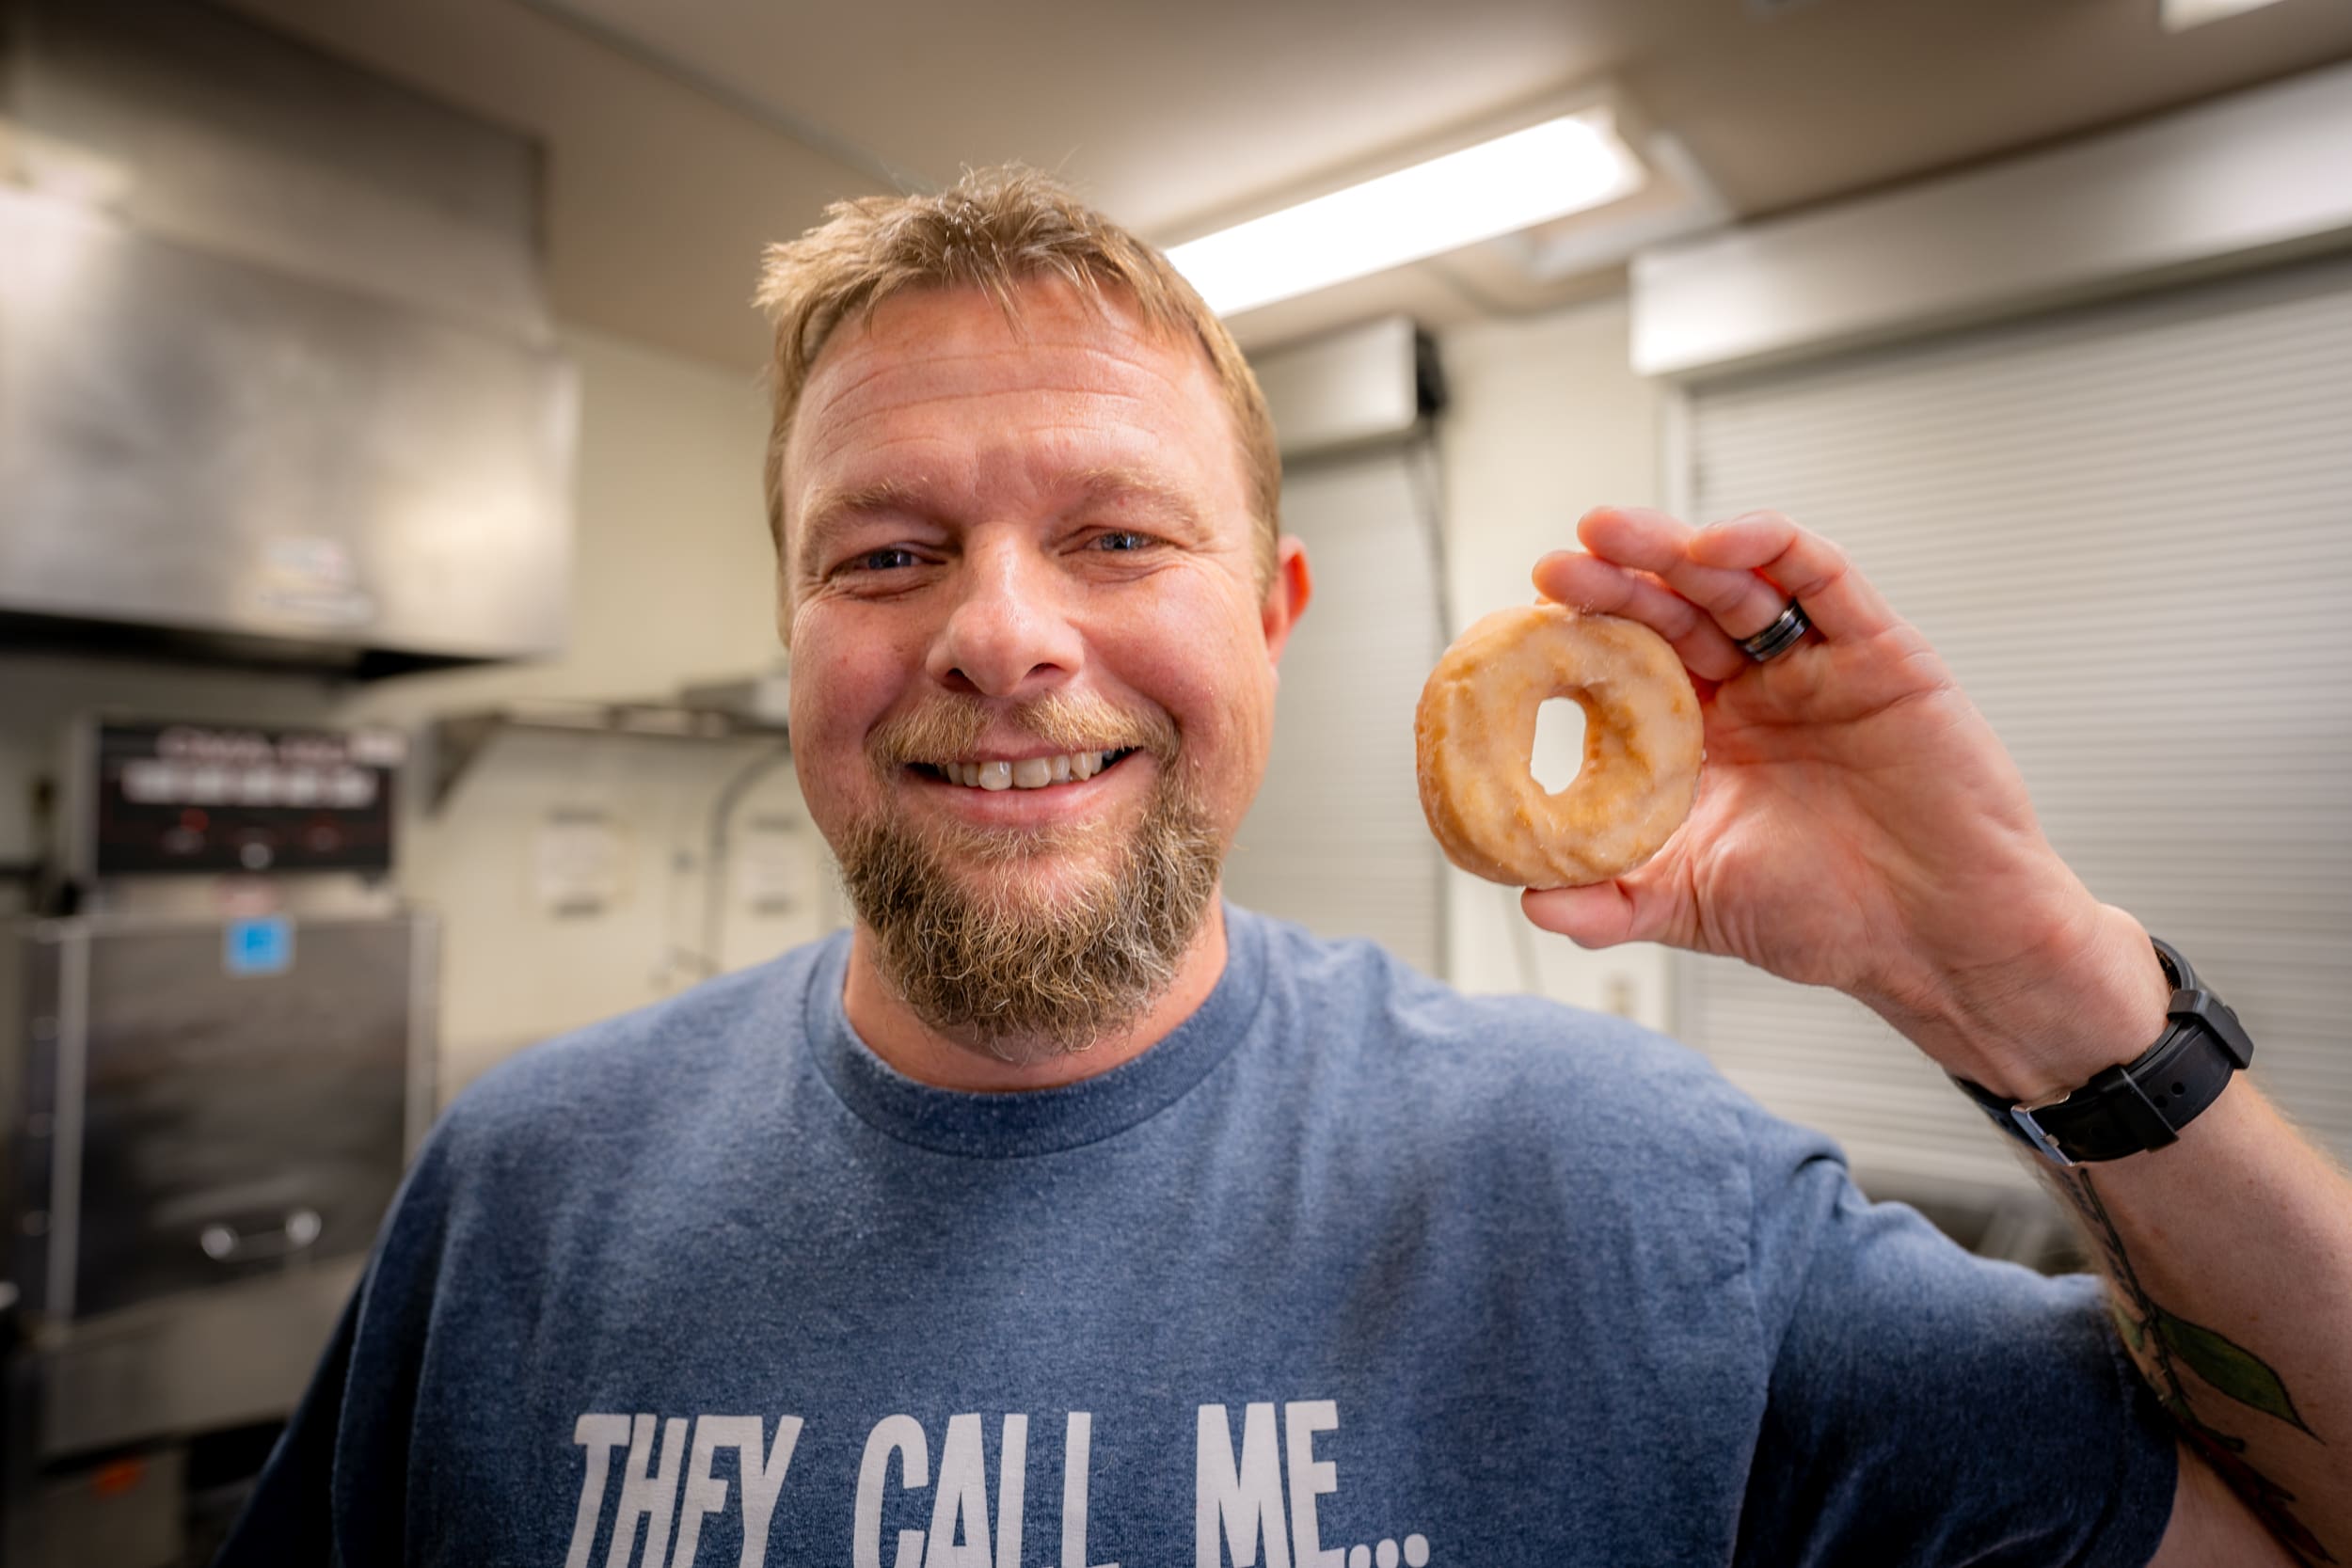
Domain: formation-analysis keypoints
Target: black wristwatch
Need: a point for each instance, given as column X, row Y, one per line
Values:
column 2145, row 1102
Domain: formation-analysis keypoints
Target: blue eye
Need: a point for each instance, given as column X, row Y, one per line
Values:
column 882, row 561
column 1122, row 541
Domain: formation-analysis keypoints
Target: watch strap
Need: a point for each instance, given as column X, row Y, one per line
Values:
column 2142, row 1103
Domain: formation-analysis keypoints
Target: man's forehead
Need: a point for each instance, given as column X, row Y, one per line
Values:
column 923, row 352
column 1137, row 489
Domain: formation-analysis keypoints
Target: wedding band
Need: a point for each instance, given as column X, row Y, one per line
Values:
column 1778, row 637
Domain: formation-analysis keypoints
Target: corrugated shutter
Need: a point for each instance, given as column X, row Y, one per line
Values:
column 1335, row 840
column 2129, row 528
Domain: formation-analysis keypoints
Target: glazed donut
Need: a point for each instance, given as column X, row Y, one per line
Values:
column 1474, row 735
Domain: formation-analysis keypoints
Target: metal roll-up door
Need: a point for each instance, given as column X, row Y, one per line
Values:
column 2129, row 528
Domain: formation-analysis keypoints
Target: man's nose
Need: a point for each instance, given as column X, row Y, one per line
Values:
column 1009, row 628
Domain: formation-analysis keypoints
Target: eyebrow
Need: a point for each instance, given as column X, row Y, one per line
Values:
column 834, row 506
column 1118, row 487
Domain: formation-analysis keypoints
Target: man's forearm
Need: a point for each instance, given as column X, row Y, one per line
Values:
column 2230, row 1253
column 2230, row 1250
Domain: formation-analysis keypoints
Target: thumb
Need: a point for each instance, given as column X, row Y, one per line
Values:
column 1602, row 915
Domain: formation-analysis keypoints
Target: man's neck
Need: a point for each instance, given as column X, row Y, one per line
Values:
column 891, row 1030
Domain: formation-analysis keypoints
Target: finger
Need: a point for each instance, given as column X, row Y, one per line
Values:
column 1742, row 603
column 1603, row 588
column 1638, row 537
column 1602, row 915
column 1837, row 598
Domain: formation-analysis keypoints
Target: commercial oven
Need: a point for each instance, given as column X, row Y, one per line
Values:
column 211, row 1075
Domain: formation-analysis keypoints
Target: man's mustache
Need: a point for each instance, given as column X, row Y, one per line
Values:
column 947, row 726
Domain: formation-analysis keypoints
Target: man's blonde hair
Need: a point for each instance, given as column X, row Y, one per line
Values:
column 995, row 229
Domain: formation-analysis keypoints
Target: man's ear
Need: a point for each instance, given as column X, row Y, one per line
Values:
column 1286, row 596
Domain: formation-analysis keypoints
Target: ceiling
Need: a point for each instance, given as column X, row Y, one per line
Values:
column 684, row 134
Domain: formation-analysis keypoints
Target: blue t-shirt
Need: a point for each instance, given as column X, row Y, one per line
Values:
column 1349, row 1270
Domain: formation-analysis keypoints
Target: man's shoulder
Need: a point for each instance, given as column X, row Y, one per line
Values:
column 638, row 1068
column 1407, row 1036
column 1509, row 1108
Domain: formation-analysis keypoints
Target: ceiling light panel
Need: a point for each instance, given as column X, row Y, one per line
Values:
column 1496, row 188
column 2182, row 14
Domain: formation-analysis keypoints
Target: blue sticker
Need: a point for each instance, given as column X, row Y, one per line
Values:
column 259, row 947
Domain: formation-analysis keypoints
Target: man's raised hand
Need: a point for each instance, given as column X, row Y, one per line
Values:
column 1858, row 824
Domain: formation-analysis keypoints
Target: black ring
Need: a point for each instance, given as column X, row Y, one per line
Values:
column 1778, row 637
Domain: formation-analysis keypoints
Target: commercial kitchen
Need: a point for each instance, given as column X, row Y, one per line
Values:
column 389, row 672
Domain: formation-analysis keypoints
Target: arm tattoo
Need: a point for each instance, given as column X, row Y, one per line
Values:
column 2164, row 1343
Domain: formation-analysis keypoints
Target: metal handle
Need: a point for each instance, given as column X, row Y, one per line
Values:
column 225, row 1243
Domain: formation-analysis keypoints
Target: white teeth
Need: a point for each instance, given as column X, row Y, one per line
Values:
column 1029, row 773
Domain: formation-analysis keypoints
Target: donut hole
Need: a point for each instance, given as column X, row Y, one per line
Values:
column 1559, row 753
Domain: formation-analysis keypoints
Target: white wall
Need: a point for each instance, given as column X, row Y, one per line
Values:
column 671, row 582
column 1548, row 420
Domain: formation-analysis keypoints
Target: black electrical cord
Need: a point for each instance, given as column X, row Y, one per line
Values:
column 1425, row 469
column 1425, row 463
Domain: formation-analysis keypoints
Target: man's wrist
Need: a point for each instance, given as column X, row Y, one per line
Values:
column 2091, row 996
column 2108, row 1006
column 2132, row 1108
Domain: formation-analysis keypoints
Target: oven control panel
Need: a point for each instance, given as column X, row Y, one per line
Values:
column 200, row 798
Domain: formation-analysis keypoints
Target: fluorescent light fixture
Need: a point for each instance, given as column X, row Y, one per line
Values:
column 2180, row 15
column 1496, row 188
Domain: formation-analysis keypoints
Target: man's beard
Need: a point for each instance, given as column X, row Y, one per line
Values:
column 1027, row 973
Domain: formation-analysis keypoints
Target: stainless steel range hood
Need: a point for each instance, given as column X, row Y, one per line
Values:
column 276, row 376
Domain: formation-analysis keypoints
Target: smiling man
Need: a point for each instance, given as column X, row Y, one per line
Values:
column 1060, row 1212
column 1033, row 620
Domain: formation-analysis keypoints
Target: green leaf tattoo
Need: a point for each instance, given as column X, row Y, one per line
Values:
column 2230, row 1367
column 2168, row 1344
